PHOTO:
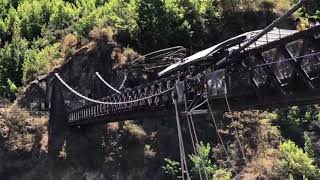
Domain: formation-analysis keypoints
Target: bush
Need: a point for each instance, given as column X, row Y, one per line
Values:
column 222, row 174
column 149, row 152
column 11, row 59
column 134, row 130
column 130, row 54
column 39, row 62
column 12, row 87
column 172, row 169
column 104, row 34
column 202, row 162
column 297, row 163
column 69, row 45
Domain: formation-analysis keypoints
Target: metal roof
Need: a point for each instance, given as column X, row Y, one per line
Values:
column 232, row 44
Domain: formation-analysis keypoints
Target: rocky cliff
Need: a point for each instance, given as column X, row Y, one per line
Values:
column 41, row 146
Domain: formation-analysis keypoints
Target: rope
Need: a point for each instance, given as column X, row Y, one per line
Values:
column 104, row 102
column 236, row 130
column 105, row 82
column 219, row 136
column 181, row 147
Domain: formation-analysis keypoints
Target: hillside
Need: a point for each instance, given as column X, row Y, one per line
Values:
column 80, row 37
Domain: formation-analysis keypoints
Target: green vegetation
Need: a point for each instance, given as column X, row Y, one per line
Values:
column 201, row 162
column 33, row 32
column 201, row 166
column 297, row 163
column 172, row 169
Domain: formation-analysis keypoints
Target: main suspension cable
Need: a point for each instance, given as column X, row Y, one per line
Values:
column 105, row 102
column 105, row 82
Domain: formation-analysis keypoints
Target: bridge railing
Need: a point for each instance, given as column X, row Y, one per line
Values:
column 148, row 97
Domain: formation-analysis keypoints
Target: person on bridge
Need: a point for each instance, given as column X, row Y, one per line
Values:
column 301, row 26
column 312, row 22
column 317, row 22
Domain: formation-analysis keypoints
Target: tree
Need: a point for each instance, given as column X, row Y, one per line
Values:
column 201, row 162
column 310, row 8
column 160, row 24
column 296, row 162
column 172, row 169
column 11, row 60
column 295, row 120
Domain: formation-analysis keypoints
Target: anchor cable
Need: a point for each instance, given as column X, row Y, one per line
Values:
column 192, row 130
column 181, row 146
column 191, row 136
column 236, row 130
column 219, row 136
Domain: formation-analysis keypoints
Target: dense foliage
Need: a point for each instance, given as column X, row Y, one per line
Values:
column 33, row 32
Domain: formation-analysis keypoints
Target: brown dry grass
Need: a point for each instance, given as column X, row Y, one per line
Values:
column 21, row 129
column 122, row 57
column 265, row 163
column 134, row 130
column 105, row 34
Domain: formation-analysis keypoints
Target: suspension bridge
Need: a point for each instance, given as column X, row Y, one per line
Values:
column 282, row 68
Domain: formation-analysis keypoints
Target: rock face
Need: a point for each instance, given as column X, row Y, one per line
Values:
column 115, row 151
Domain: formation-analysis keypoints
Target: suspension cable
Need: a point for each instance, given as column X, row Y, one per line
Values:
column 194, row 101
column 193, row 132
column 199, row 105
column 124, row 80
column 105, row 102
column 181, row 146
column 219, row 136
column 105, row 82
column 191, row 135
column 236, row 130
column 192, row 140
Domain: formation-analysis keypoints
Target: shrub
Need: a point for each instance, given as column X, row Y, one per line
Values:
column 12, row 87
column 38, row 62
column 172, row 169
column 296, row 162
column 148, row 152
column 103, row 34
column 202, row 161
column 69, row 45
column 130, row 54
column 222, row 174
column 134, row 130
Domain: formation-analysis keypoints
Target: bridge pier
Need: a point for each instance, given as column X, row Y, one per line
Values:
column 71, row 148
